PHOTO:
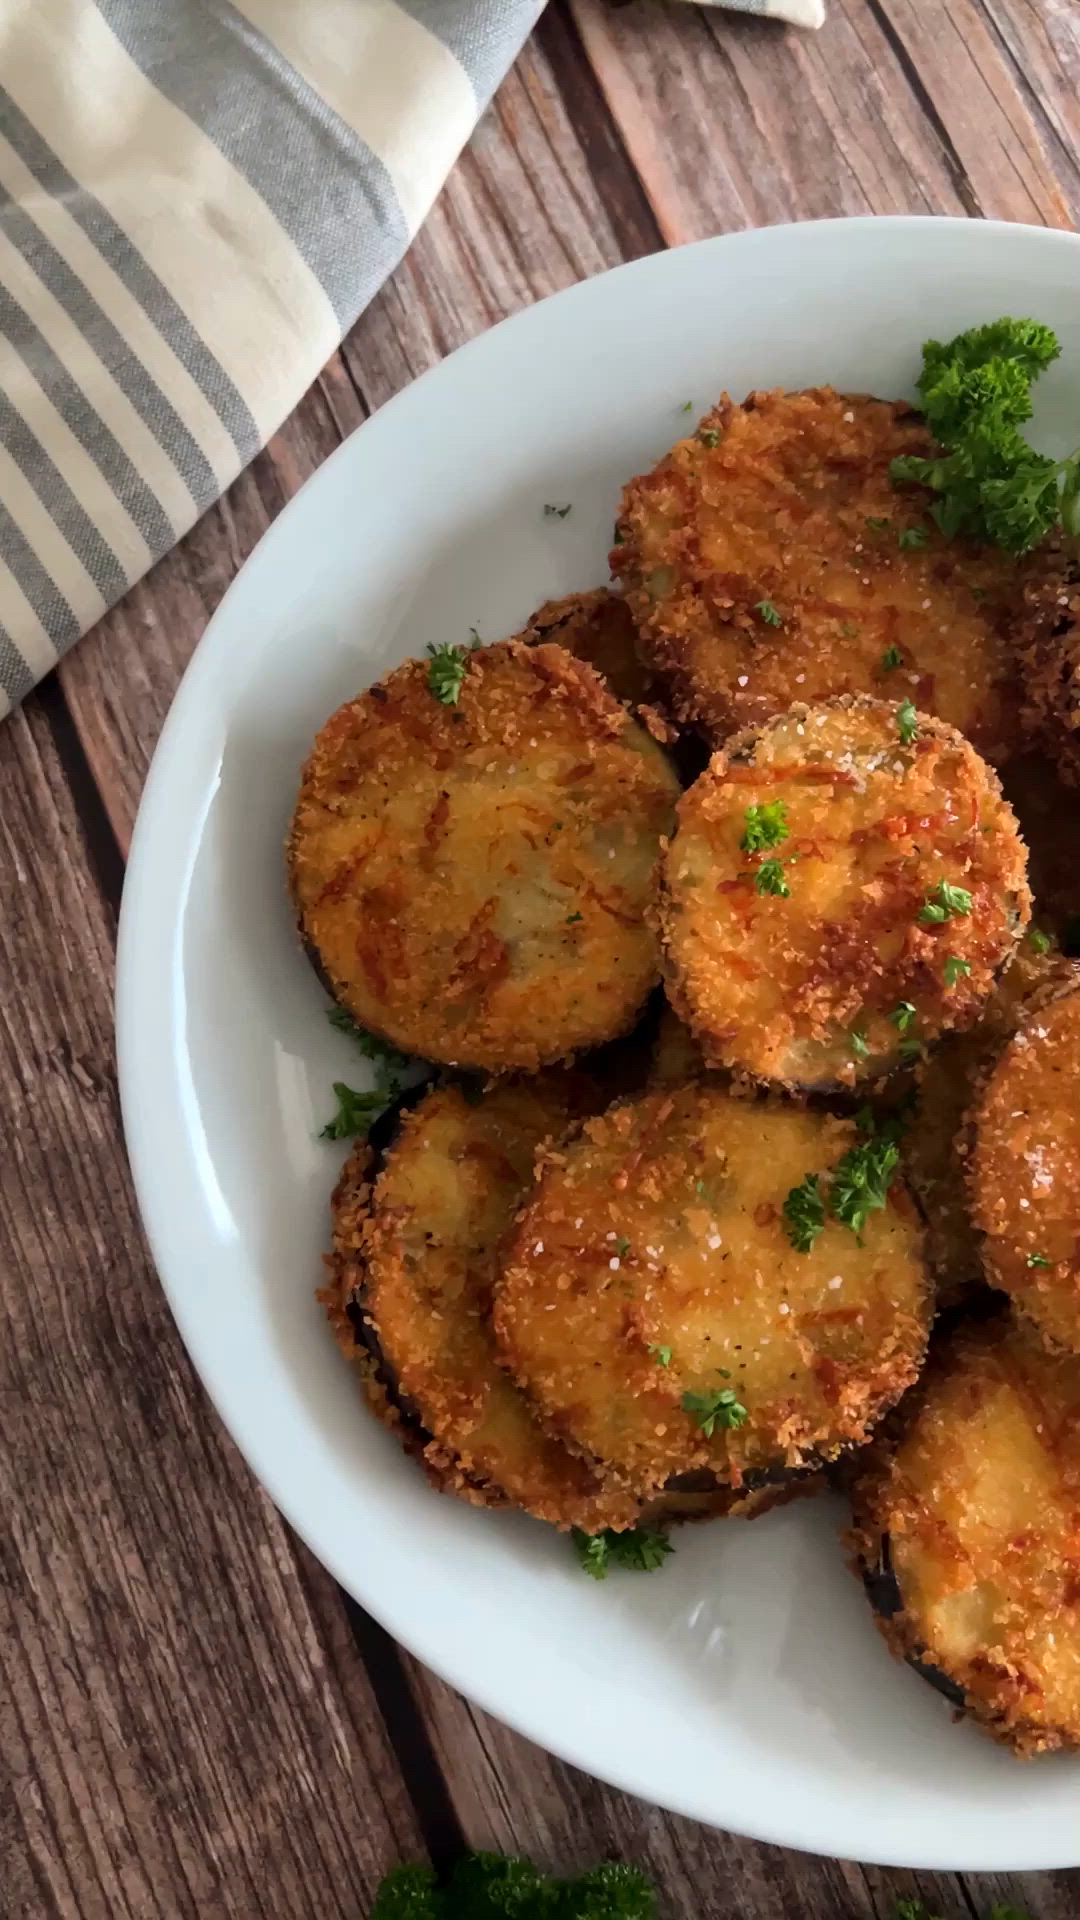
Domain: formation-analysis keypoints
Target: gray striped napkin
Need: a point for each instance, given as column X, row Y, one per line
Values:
column 197, row 198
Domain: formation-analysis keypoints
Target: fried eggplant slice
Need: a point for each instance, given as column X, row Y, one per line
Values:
column 416, row 1254
column 1050, row 657
column 844, row 885
column 769, row 558
column 474, row 878
column 1025, row 1168
column 936, row 1139
column 654, row 1306
column 965, row 1512
column 596, row 627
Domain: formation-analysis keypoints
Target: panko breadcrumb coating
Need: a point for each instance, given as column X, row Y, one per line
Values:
column 416, row 1254
column 1025, row 1168
column 936, row 1139
column 769, row 558
column 474, row 879
column 813, row 929
column 652, row 1277
column 965, row 1531
column 596, row 627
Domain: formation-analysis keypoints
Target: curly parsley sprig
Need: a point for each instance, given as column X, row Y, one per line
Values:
column 990, row 484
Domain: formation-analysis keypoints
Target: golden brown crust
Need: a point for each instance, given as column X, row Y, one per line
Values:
column 968, row 1501
column 653, row 1261
column 1025, row 1166
column 1049, row 647
column 936, row 1144
column 770, row 505
column 596, row 627
column 808, row 989
column 474, row 879
column 422, row 1254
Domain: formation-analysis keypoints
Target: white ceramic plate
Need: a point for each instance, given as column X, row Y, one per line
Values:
column 745, row 1684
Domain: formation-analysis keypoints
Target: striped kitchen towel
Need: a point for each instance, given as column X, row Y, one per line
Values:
column 197, row 198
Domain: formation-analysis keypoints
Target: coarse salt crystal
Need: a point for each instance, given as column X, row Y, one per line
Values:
column 836, row 1281
column 743, row 679
column 614, row 1264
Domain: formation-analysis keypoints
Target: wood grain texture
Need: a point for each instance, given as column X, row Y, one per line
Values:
column 193, row 1716
column 178, row 1739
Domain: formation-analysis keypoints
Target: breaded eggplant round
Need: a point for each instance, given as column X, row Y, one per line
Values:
column 965, row 1532
column 843, row 886
column 1025, row 1168
column 655, row 1307
column 474, row 879
column 770, row 558
column 1050, row 666
column 936, row 1137
column 416, row 1254
column 596, row 627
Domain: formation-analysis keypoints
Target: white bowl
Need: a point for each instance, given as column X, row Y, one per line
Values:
column 745, row 1684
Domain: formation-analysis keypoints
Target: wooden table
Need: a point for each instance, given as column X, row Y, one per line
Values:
column 194, row 1721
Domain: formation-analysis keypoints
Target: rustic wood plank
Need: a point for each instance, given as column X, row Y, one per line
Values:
column 179, row 1739
column 736, row 123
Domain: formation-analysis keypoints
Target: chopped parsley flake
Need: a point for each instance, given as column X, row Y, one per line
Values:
column 1038, row 1260
column 766, row 826
column 770, row 879
column 556, row 513
column 849, row 630
column 944, row 903
column 955, row 969
column 1039, row 941
column 687, row 406
column 878, row 521
column 573, row 918
column 902, row 1016
column 907, row 723
column 355, row 1112
column 622, row 1245
column 860, row 1181
column 804, row 1213
column 618, row 538
column 639, row 1549
column 910, row 1048
column 911, row 537
column 860, row 1045
column 891, row 659
column 662, row 1356
column 447, row 668
column 767, row 612
column 709, row 437
column 388, row 1062
column 711, row 1410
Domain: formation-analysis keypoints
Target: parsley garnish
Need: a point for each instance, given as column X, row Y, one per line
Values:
column 976, row 395
column 556, row 513
column 662, row 1356
column 446, row 672
column 709, row 437
column 687, row 406
column 860, row 1181
column 955, row 969
column 907, row 723
column 770, row 879
column 389, row 1063
column 721, row 1408
column 878, row 521
column 891, row 659
column 766, row 826
column 910, row 537
column 860, row 1045
column 355, row 1113
column 945, row 902
column 902, row 1016
column 618, row 537
column 622, row 1245
column 639, row 1549
column 849, row 630
column 492, row 1886
column 573, row 918
column 804, row 1213
column 1039, row 941
column 1038, row 1260
column 768, row 613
